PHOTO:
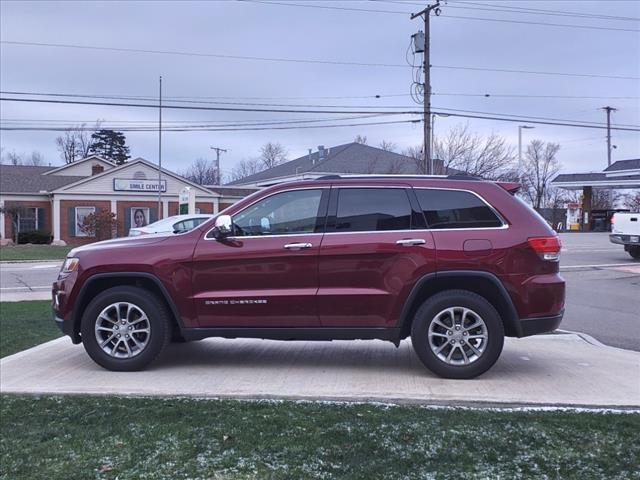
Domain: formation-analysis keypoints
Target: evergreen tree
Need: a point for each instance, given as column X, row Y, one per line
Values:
column 111, row 145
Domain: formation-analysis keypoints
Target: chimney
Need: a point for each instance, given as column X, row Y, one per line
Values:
column 310, row 158
column 96, row 168
column 321, row 153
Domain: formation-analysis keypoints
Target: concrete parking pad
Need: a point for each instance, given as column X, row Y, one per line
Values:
column 560, row 369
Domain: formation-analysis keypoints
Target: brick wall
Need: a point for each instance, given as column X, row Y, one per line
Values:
column 46, row 205
column 205, row 207
column 68, row 219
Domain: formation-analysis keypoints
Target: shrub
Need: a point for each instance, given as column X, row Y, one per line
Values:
column 39, row 237
column 101, row 225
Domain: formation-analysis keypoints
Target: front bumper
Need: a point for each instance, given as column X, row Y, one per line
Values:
column 65, row 327
column 536, row 325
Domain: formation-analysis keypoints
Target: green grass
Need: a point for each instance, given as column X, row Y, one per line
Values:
column 33, row 252
column 24, row 325
column 133, row 438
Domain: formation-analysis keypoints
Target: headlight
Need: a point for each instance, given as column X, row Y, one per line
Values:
column 70, row 264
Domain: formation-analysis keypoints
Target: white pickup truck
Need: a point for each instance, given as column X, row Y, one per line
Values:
column 625, row 231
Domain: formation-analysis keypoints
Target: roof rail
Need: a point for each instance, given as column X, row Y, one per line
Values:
column 464, row 176
column 328, row 177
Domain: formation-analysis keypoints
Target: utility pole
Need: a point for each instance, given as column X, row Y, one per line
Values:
column 160, row 151
column 218, row 151
column 609, row 110
column 428, row 162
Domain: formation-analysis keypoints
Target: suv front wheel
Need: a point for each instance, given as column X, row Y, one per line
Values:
column 125, row 328
column 457, row 334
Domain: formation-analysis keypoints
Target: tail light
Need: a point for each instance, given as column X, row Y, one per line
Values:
column 548, row 248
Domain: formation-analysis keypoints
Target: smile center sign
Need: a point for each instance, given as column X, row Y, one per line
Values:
column 133, row 185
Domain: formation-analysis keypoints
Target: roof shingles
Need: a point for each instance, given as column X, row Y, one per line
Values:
column 347, row 158
column 29, row 179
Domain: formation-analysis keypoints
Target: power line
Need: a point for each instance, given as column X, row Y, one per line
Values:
column 540, row 11
column 369, row 10
column 522, row 10
column 517, row 95
column 116, row 97
column 310, row 61
column 185, row 107
column 195, row 107
column 220, row 129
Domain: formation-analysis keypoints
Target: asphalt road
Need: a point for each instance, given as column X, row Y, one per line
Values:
column 603, row 287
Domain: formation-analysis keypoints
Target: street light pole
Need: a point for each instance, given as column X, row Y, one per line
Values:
column 433, row 137
column 160, row 150
column 520, row 127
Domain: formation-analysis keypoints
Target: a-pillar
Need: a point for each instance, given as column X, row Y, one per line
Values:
column 587, row 194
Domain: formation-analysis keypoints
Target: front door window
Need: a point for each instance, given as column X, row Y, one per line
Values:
column 285, row 213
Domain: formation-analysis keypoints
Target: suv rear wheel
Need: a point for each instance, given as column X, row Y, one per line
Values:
column 457, row 334
column 125, row 328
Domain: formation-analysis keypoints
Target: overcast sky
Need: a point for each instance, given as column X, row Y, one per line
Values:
column 342, row 35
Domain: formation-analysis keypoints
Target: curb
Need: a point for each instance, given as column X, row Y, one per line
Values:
column 3, row 262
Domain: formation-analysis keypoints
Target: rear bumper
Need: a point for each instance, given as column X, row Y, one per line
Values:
column 533, row 326
column 625, row 240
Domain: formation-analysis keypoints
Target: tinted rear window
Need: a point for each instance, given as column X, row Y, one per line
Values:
column 455, row 209
column 373, row 209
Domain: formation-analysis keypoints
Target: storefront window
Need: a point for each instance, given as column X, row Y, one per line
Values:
column 139, row 217
column 81, row 214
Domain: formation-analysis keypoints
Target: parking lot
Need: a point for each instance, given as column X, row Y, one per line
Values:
column 603, row 288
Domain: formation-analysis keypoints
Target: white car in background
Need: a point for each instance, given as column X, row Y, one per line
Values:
column 625, row 230
column 175, row 224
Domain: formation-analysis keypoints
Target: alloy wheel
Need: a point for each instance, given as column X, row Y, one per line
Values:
column 122, row 330
column 458, row 336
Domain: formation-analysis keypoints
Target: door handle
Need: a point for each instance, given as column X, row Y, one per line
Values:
column 407, row 242
column 297, row 246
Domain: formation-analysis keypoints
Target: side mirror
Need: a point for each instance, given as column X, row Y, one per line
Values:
column 223, row 227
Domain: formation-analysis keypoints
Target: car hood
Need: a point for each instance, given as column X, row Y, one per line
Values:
column 123, row 242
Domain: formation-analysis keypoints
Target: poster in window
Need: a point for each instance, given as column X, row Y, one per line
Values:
column 139, row 217
column 81, row 214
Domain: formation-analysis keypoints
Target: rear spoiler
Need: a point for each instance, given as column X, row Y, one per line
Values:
column 511, row 187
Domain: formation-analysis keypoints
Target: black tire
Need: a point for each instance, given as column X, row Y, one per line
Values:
column 159, row 323
column 457, row 300
column 634, row 252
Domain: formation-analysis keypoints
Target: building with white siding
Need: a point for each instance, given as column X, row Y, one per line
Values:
column 56, row 199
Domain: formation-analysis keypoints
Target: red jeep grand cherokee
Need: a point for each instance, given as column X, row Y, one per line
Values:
column 455, row 263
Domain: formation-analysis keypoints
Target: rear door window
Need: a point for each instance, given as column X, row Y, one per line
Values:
column 455, row 209
column 372, row 209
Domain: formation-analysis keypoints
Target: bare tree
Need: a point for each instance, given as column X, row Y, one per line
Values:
column 13, row 211
column 36, row 159
column 202, row 172
column 388, row 146
column 362, row 139
column 272, row 154
column 487, row 157
column 14, row 158
column 632, row 201
column 605, row 199
column 539, row 167
column 245, row 168
column 74, row 144
column 415, row 154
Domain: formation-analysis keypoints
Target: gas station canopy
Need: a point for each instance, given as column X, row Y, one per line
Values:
column 623, row 174
column 620, row 175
